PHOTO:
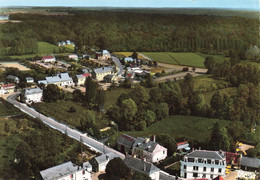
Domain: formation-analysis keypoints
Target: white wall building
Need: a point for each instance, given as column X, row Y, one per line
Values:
column 203, row 164
column 48, row 59
column 33, row 95
column 100, row 163
column 67, row 171
column 62, row 80
column 148, row 150
column 100, row 73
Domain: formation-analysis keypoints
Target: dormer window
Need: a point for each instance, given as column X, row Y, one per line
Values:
column 220, row 163
column 212, row 161
column 196, row 160
column 205, row 161
column 185, row 159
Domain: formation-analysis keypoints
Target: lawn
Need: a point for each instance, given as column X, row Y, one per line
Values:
column 112, row 95
column 217, row 58
column 126, row 54
column 60, row 111
column 45, row 48
column 189, row 126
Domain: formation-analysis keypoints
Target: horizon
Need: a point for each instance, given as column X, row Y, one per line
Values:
column 130, row 4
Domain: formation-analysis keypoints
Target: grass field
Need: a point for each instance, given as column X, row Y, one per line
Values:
column 7, row 109
column 45, row 48
column 60, row 111
column 126, row 54
column 189, row 126
column 112, row 95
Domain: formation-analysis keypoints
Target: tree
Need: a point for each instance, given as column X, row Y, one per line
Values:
column 148, row 116
column 7, row 127
column 162, row 111
column 210, row 64
column 88, row 120
column 219, row 138
column 100, row 98
column 77, row 95
column 91, row 91
column 135, row 55
column 52, row 93
column 168, row 142
column 117, row 168
column 196, row 103
column 187, row 85
column 156, row 95
column 221, row 103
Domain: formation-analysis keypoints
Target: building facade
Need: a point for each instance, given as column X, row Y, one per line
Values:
column 203, row 164
column 33, row 95
column 62, row 80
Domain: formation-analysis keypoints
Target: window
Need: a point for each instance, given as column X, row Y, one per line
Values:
column 195, row 168
column 204, row 176
column 211, row 176
column 184, row 167
column 83, row 172
column 212, row 170
column 219, row 170
column 71, row 176
column 204, row 168
column 185, row 175
column 195, row 174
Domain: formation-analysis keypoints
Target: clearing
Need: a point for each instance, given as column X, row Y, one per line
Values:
column 21, row 67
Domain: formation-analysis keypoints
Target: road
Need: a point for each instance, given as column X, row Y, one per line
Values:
column 118, row 64
column 176, row 77
column 73, row 133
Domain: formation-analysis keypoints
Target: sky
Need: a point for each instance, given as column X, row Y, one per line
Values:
column 230, row 4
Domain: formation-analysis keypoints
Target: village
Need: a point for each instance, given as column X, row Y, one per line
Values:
column 142, row 154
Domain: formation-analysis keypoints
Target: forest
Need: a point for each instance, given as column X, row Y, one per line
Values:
column 131, row 31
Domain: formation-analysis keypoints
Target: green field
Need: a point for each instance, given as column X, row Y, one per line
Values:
column 189, row 126
column 45, row 48
column 112, row 95
column 7, row 109
column 60, row 111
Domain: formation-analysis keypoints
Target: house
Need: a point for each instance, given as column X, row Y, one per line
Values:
column 29, row 80
column 81, row 78
column 203, row 164
column 183, row 146
column 100, row 163
column 66, row 171
column 100, row 73
column 105, row 55
column 250, row 164
column 108, row 78
column 7, row 88
column 232, row 158
column 33, row 95
column 125, row 143
column 68, row 42
column 144, row 167
column 73, row 57
column 62, row 80
column 11, row 78
column 128, row 59
column 148, row 150
column 48, row 59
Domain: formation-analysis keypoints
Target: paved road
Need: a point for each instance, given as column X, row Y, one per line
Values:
column 177, row 76
column 73, row 133
column 119, row 65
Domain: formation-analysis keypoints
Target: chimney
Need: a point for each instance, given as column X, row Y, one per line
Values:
column 154, row 138
column 147, row 140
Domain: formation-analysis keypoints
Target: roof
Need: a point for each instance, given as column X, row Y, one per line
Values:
column 58, row 171
column 183, row 145
column 43, row 82
column 218, row 178
column 59, row 78
column 8, row 85
column 205, row 154
column 232, row 156
column 103, row 70
column 166, row 176
column 29, row 79
column 147, row 146
column 105, row 158
column 250, row 162
column 12, row 77
column 32, row 91
column 82, row 76
column 105, row 52
column 128, row 59
column 48, row 57
column 140, row 165
column 85, row 70
column 109, row 76
column 126, row 140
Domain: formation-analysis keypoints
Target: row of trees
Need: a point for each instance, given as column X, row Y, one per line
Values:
column 138, row 31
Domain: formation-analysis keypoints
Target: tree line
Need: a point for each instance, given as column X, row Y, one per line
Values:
column 139, row 31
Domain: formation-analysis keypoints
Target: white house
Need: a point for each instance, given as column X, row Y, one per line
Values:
column 7, row 88
column 144, row 167
column 81, row 78
column 29, row 80
column 12, row 78
column 67, row 171
column 128, row 59
column 100, row 163
column 48, row 59
column 100, row 73
column 203, row 164
column 148, row 150
column 62, row 80
column 33, row 95
column 105, row 55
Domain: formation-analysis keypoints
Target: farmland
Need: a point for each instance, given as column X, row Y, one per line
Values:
column 4, row 65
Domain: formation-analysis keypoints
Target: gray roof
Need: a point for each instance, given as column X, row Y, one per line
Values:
column 206, row 154
column 129, row 59
column 29, row 79
column 103, row 70
column 80, row 76
column 106, row 157
column 86, row 70
column 58, row 171
column 166, row 176
column 32, row 91
column 59, row 78
column 139, row 165
column 12, row 77
column 126, row 140
column 250, row 162
column 148, row 146
column 105, row 52
column 43, row 82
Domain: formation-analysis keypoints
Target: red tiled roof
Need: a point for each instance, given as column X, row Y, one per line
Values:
column 48, row 57
column 86, row 75
column 7, row 85
column 185, row 142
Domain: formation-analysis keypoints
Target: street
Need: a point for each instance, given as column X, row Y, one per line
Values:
column 73, row 133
